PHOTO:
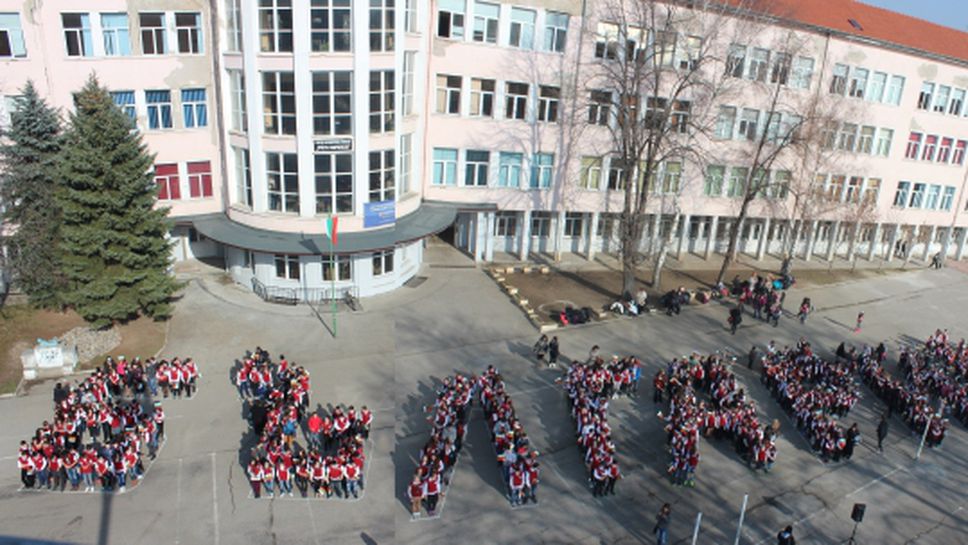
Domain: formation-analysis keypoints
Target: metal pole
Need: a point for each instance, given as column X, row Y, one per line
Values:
column 332, row 259
column 695, row 531
column 927, row 426
column 742, row 515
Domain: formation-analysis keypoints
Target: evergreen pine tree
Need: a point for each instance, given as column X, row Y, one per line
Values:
column 28, row 162
column 116, row 257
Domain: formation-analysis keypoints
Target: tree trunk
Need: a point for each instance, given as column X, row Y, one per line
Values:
column 630, row 243
column 660, row 258
column 734, row 234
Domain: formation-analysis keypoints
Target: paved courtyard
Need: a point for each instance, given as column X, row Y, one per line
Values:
column 393, row 355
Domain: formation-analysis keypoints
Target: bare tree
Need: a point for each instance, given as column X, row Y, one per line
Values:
column 663, row 55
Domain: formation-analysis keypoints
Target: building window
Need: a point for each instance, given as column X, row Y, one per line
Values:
column 835, row 189
column 382, row 262
column 759, row 64
column 166, row 177
column 279, row 102
column 77, row 34
column 901, row 196
column 871, row 190
column 448, row 94
column 540, row 224
column 591, row 173
column 337, row 268
column 233, row 9
column 548, row 98
column 287, row 267
column 941, row 99
column 189, row 31
column 846, row 137
column 736, row 60
column 381, row 25
column 153, row 33
column 125, row 101
column 542, row 171
column 944, row 152
column 445, row 166
column 599, row 104
column 736, row 185
column 406, row 164
column 664, row 47
column 958, row 157
column 506, row 224
column 948, row 199
column 516, row 105
column 243, row 176
column 381, row 101
column 930, row 143
column 713, row 186
column 410, row 16
column 450, row 19
column 671, row 178
column 924, row 97
column 407, row 102
column 895, row 89
column 680, row 116
column 282, row 182
column 858, row 82
column 475, row 167
column 12, row 36
column 574, row 224
column 485, row 22
column 875, row 92
column 748, row 124
column 556, row 31
column 780, row 72
column 194, row 108
column 482, row 97
column 606, row 41
column 913, row 146
column 509, row 169
column 725, row 122
column 382, row 183
column 779, row 189
column 159, row 109
column 957, row 102
column 884, row 137
column 802, row 73
column 334, row 183
column 917, row 195
column 522, row 28
column 934, row 195
column 853, row 189
column 332, row 103
column 866, row 142
column 331, row 24
column 275, row 26
column 237, row 90
column 114, row 28
column 200, row 179
column 838, row 81
column 616, row 176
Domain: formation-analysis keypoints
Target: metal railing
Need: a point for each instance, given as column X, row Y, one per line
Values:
column 310, row 296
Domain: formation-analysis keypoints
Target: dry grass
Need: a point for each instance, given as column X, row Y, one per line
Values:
column 143, row 337
column 20, row 326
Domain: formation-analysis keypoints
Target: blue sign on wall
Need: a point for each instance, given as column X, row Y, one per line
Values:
column 379, row 213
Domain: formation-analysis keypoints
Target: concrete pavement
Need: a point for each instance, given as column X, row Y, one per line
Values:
column 393, row 355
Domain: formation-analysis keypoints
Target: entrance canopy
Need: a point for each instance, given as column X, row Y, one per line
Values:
column 430, row 218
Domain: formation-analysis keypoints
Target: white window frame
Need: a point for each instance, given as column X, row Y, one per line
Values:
column 486, row 21
column 382, row 84
column 382, row 176
column 288, row 200
column 482, row 100
column 240, row 117
column 328, row 97
column 382, row 263
column 445, row 168
column 522, row 30
column 289, row 265
column 343, row 268
column 195, row 44
column 330, row 38
column 549, row 103
column 449, row 89
column 275, row 26
column 282, row 91
column 454, row 13
column 81, row 35
column 556, row 31
column 476, row 170
column 338, row 199
column 516, row 104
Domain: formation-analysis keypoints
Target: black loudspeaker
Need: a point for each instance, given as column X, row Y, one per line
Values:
column 857, row 515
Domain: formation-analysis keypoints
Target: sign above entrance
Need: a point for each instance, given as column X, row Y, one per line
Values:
column 332, row 144
column 376, row 214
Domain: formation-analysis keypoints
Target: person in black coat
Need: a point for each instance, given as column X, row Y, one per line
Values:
column 785, row 537
column 881, row 433
column 735, row 318
column 553, row 352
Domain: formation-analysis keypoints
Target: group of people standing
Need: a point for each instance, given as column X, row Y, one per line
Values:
column 729, row 414
column 112, row 408
column 817, row 393
column 515, row 455
column 332, row 462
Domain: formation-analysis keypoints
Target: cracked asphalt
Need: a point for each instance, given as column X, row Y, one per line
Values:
column 392, row 356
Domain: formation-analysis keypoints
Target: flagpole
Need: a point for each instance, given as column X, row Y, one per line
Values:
column 332, row 259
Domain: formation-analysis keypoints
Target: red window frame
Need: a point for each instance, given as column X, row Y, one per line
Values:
column 945, row 150
column 200, row 179
column 958, row 157
column 913, row 145
column 166, row 176
column 930, row 146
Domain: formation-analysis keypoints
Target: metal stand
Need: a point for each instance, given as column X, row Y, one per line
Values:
column 850, row 540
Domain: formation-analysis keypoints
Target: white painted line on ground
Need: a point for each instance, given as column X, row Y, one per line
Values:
column 312, row 519
column 214, row 502
column 877, row 480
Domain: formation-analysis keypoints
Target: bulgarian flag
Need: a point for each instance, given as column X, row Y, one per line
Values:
column 330, row 224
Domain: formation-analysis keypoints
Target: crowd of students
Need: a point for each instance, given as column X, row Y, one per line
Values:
column 518, row 460
column 729, row 414
column 448, row 417
column 333, row 460
column 817, row 393
column 590, row 386
column 102, row 427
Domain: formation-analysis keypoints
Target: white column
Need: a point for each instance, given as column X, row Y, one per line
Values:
column 304, row 109
column 253, row 104
column 852, row 244
column 593, row 220
column 654, row 235
column 559, row 234
column 711, row 236
column 489, row 236
column 683, row 235
column 832, row 239
column 811, row 237
column 361, row 109
column 962, row 238
column 895, row 234
column 480, row 226
column 875, row 241
column 524, row 248
column 764, row 232
column 929, row 242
